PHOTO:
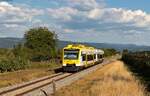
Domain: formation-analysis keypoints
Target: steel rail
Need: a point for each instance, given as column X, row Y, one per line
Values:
column 28, row 84
column 20, row 94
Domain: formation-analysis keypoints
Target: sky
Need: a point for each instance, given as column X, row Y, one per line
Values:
column 99, row 21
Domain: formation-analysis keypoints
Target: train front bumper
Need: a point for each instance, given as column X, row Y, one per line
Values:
column 71, row 68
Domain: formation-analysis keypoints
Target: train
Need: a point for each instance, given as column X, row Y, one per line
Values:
column 76, row 57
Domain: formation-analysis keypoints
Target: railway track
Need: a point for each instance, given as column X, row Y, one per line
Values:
column 31, row 86
column 61, row 79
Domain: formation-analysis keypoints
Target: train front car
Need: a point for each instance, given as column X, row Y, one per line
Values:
column 76, row 57
column 71, row 58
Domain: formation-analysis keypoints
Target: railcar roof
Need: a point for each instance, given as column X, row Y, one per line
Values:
column 83, row 47
column 78, row 46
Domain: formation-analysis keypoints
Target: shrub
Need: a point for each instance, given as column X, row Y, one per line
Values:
column 13, row 63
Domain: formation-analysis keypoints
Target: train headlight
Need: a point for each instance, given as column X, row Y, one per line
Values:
column 64, row 64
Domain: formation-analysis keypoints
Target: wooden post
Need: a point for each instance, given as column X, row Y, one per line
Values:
column 54, row 87
column 86, row 59
column 44, row 92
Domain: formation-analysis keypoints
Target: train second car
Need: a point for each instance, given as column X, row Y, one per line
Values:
column 76, row 57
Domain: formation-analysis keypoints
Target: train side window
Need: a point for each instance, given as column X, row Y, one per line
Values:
column 94, row 56
column 89, row 57
column 100, row 56
column 83, row 57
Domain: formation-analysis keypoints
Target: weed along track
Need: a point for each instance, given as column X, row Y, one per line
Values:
column 48, row 84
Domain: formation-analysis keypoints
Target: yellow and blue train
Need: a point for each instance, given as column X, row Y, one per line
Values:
column 76, row 57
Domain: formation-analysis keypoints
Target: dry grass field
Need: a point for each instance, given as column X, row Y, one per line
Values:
column 36, row 70
column 112, row 80
column 11, row 78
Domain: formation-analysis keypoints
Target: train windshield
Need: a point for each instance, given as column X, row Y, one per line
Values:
column 71, row 54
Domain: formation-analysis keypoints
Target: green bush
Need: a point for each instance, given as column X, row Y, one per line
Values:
column 13, row 63
column 17, row 63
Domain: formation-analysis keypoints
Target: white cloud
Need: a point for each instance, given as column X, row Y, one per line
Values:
column 98, row 23
column 118, row 15
column 69, row 30
column 6, row 7
column 6, row 4
column 11, row 25
column 63, row 13
column 97, row 11
column 10, row 13
column 14, row 20
column 94, row 13
column 86, row 3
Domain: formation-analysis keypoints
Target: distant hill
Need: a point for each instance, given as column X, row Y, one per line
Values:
column 119, row 47
column 10, row 42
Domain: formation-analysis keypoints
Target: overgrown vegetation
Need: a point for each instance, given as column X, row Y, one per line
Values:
column 39, row 46
column 10, row 62
column 139, row 63
column 109, row 52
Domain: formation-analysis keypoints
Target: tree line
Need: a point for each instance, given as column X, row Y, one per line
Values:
column 137, row 59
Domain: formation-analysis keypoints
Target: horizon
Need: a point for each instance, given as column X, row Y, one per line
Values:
column 86, row 42
column 93, row 21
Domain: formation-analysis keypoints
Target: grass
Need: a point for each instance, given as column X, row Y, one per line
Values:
column 113, row 79
column 35, row 70
column 45, row 65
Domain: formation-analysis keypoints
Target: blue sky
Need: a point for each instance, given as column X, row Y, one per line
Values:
column 130, row 4
column 100, row 21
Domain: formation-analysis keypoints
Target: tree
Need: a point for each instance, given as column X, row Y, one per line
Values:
column 109, row 51
column 41, row 42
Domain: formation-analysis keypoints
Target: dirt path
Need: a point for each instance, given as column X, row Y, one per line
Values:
column 112, row 80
